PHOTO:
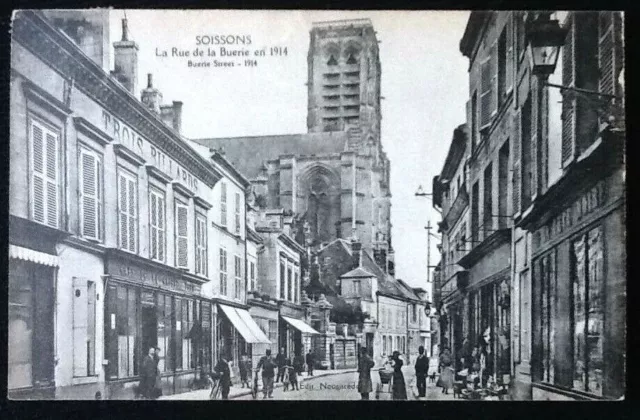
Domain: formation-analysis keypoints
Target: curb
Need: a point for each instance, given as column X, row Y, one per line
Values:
column 305, row 378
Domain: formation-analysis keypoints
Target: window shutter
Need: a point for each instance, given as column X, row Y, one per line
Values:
column 510, row 61
column 38, row 157
column 485, row 95
column 124, row 216
column 154, row 225
column 52, row 179
column 535, row 146
column 606, row 53
column 132, row 215
column 182, row 232
column 237, row 214
column 493, row 59
column 89, row 194
column 80, row 324
column 223, row 204
column 516, row 176
column 568, row 102
column 470, row 126
column 161, row 216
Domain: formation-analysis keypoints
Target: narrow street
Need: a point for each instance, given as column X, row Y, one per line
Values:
column 344, row 387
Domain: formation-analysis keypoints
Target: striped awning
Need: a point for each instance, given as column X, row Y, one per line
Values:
column 245, row 325
column 299, row 325
column 26, row 254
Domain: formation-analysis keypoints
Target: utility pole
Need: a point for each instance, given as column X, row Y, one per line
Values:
column 428, row 228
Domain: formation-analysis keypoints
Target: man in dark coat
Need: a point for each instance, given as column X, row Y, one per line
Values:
column 148, row 374
column 422, row 369
column 280, row 361
column 223, row 369
column 268, row 366
column 365, row 364
column 310, row 359
column 298, row 363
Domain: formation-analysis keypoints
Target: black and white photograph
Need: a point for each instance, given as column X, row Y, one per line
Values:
column 317, row 205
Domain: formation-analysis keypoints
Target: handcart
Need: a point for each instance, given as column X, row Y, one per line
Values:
column 216, row 391
column 386, row 382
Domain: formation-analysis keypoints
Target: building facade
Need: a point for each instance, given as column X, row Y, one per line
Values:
column 545, row 208
column 570, row 213
column 122, row 203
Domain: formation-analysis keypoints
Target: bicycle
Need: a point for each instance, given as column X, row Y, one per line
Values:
column 216, row 391
column 254, row 386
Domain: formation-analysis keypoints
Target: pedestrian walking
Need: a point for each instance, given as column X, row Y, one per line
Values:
column 157, row 389
column 365, row 364
column 293, row 376
column 447, row 371
column 268, row 366
column 298, row 363
column 310, row 359
column 280, row 361
column 245, row 368
column 399, row 387
column 223, row 369
column 148, row 375
column 422, row 369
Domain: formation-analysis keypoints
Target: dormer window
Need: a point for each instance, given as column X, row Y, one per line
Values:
column 332, row 61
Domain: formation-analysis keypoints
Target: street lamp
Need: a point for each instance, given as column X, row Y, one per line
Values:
column 420, row 192
column 545, row 38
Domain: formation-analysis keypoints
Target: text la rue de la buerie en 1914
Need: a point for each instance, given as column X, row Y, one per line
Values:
column 219, row 51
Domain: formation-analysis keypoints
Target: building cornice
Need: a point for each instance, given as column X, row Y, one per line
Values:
column 36, row 34
column 490, row 243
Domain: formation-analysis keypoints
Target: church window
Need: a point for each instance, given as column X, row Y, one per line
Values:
column 351, row 59
column 332, row 61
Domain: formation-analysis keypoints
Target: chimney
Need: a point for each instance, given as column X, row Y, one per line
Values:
column 151, row 96
column 356, row 253
column 177, row 116
column 126, row 60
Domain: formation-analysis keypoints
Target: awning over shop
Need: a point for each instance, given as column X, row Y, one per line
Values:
column 19, row 253
column 245, row 325
column 300, row 325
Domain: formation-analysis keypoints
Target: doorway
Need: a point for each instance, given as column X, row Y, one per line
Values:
column 149, row 331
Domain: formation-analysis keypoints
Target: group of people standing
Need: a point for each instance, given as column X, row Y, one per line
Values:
column 394, row 363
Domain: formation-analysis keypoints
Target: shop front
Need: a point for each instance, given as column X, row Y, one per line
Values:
column 238, row 334
column 295, row 334
column 579, row 283
column 33, row 270
column 151, row 305
column 485, row 318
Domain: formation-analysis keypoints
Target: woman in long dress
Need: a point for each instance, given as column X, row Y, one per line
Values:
column 447, row 374
column 399, row 388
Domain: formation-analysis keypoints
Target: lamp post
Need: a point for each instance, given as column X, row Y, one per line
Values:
column 545, row 37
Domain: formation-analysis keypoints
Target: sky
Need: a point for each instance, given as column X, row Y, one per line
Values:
column 424, row 86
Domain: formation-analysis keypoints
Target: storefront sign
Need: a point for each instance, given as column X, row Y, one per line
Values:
column 582, row 207
column 150, row 277
column 124, row 135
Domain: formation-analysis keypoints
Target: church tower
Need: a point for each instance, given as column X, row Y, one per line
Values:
column 344, row 82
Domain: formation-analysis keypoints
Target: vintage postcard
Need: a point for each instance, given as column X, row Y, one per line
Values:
column 317, row 205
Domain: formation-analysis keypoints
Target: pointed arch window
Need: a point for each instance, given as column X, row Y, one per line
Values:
column 351, row 59
column 332, row 61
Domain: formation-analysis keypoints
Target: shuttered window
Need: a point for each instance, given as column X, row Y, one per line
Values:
column 182, row 235
column 238, row 277
column 223, row 204
column 45, row 177
column 223, row 271
column 84, row 327
column 485, row 93
column 237, row 214
column 157, row 206
column 201, row 245
column 90, row 165
column 252, row 274
column 127, row 211
column 517, row 174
